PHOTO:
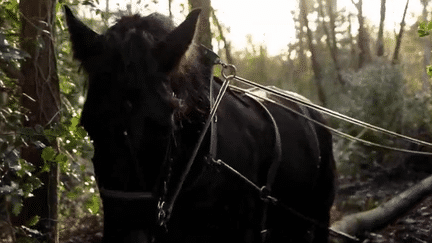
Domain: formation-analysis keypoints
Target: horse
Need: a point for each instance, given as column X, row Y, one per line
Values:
column 147, row 101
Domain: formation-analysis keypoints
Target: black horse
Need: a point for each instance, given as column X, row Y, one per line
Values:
column 147, row 101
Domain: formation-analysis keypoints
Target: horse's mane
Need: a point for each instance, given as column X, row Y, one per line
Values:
column 187, row 89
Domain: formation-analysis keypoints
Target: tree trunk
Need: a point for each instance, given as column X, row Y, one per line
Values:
column 331, row 37
column 380, row 40
column 399, row 37
column 169, row 9
column 363, row 38
column 426, row 51
column 40, row 82
column 316, row 67
column 386, row 213
column 353, row 56
column 222, row 37
column 204, row 32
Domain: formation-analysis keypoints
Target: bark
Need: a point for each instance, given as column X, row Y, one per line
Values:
column 427, row 49
column 395, row 58
column 222, row 37
column 353, row 47
column 380, row 40
column 39, row 81
column 302, row 61
column 169, row 8
column 386, row 213
column 331, row 37
column 316, row 67
column 204, row 32
column 365, row 56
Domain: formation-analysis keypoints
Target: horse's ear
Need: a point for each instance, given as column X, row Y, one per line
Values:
column 85, row 42
column 177, row 42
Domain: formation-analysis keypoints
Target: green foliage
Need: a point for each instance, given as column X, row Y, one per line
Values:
column 424, row 29
column 65, row 143
column 378, row 95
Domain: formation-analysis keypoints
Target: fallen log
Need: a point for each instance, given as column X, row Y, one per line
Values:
column 377, row 218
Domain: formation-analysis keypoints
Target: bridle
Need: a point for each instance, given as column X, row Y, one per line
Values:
column 160, row 193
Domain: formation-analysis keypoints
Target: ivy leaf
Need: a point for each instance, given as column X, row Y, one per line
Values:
column 48, row 154
column 429, row 70
column 33, row 221
column 17, row 205
column 92, row 204
column 422, row 33
column 424, row 29
column 429, row 26
column 62, row 160
column 25, row 168
column 74, row 124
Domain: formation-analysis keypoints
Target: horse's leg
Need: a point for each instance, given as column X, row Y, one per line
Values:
column 325, row 193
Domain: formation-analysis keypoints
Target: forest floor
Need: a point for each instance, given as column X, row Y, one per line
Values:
column 377, row 187
column 354, row 195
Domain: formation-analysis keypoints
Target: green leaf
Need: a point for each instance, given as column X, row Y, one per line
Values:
column 48, row 154
column 423, row 33
column 74, row 124
column 17, row 206
column 33, row 221
column 81, row 133
column 424, row 29
column 429, row 26
column 93, row 204
column 429, row 70
column 72, row 194
column 62, row 160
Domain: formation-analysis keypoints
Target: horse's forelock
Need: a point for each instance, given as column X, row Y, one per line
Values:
column 134, row 36
column 189, row 83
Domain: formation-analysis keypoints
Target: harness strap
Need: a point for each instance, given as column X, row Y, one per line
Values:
column 274, row 166
column 213, row 122
column 314, row 132
column 265, row 191
column 166, row 209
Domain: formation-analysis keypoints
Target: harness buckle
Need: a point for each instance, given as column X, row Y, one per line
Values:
column 162, row 213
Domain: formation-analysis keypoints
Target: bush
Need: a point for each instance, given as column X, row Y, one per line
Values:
column 376, row 95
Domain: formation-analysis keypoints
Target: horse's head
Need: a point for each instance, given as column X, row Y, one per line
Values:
column 129, row 111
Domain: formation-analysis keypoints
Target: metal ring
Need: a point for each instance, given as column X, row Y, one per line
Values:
column 232, row 68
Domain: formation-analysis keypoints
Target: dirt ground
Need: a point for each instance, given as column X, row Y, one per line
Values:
column 354, row 195
column 379, row 187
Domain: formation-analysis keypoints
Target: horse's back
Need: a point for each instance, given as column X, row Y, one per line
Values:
column 305, row 174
